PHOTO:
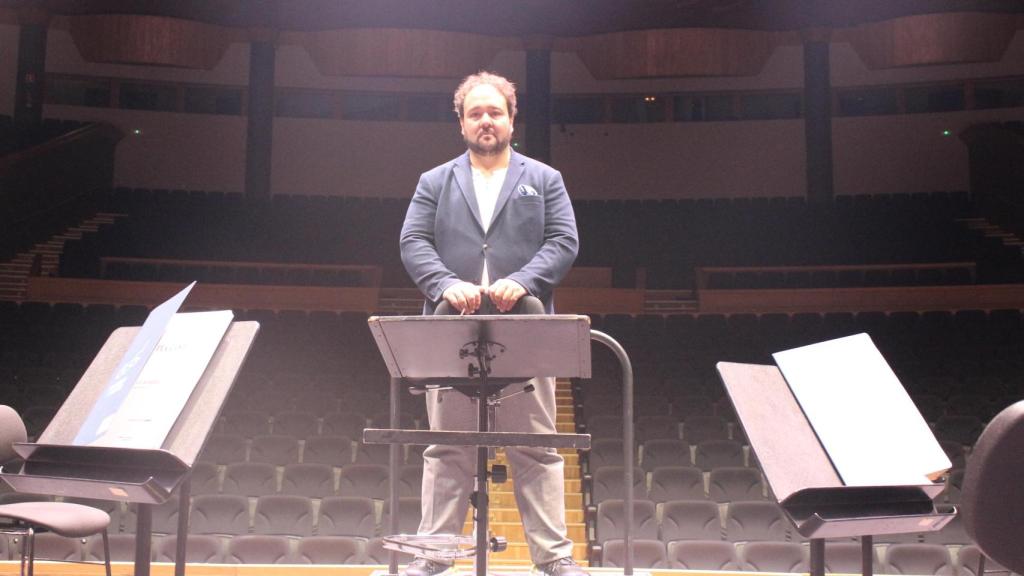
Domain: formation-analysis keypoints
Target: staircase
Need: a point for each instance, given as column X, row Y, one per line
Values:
column 504, row 519
column 990, row 230
column 43, row 259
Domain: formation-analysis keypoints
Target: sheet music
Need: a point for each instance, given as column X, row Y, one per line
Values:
column 862, row 415
column 151, row 404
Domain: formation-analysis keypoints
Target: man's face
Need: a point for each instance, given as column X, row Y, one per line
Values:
column 486, row 125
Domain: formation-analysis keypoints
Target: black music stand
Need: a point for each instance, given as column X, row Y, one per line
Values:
column 147, row 477
column 804, row 475
column 477, row 355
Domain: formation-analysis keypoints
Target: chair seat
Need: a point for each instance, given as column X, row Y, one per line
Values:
column 63, row 518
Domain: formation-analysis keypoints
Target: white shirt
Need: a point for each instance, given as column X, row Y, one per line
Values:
column 487, row 188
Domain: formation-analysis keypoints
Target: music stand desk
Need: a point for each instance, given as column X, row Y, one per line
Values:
column 147, row 477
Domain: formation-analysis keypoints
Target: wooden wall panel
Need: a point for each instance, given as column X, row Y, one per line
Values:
column 402, row 53
column 149, row 40
column 675, row 52
column 932, row 39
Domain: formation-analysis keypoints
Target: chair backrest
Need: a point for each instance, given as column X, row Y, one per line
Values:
column 677, row 483
column 346, row 516
column 914, row 558
column 283, row 514
column 12, row 429
column 755, row 520
column 992, row 502
column 786, row 557
column 611, row 520
column 647, row 553
column 690, row 520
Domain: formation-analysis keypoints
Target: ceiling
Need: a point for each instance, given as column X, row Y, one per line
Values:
column 561, row 18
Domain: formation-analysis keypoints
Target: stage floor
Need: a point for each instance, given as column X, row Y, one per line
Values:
column 43, row 568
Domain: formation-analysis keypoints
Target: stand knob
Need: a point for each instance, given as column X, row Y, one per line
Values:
column 499, row 473
column 498, row 544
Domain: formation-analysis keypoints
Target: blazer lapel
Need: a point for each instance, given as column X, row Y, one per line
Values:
column 464, row 178
column 515, row 172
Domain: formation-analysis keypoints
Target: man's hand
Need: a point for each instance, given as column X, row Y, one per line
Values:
column 505, row 293
column 463, row 296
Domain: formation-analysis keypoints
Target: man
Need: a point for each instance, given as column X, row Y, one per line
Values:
column 485, row 230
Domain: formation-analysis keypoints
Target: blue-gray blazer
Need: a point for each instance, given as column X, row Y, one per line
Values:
column 532, row 238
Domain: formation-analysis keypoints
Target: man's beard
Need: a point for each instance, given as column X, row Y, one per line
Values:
column 497, row 148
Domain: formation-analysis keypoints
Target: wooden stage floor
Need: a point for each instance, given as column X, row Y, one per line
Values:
column 44, row 568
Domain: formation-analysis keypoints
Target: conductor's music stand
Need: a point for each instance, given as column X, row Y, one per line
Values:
column 830, row 488
column 478, row 355
column 147, row 477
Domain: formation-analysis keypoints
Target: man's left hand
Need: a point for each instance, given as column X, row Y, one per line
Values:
column 505, row 293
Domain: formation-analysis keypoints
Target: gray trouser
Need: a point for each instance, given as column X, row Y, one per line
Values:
column 537, row 473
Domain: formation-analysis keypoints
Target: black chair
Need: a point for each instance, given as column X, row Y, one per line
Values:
column 992, row 504
column 26, row 519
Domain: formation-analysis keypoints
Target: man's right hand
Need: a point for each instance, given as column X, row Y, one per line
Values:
column 463, row 296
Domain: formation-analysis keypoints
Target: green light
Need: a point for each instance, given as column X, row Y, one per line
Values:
column 946, row 132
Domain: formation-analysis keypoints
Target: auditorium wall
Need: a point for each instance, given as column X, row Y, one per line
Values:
column 873, row 154
column 8, row 66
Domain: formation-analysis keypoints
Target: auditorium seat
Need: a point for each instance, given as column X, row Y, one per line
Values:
column 756, row 520
column 375, row 553
column 250, row 478
column 205, row 478
column 648, row 553
column 607, row 483
column 334, row 451
column 410, row 480
column 283, row 514
column 697, row 429
column 351, row 516
column 967, row 562
column 732, row 484
column 926, row 559
column 409, row 514
column 788, row 557
column 295, row 423
column 329, row 550
column 259, row 549
column 226, row 514
column 690, row 520
column 368, row 480
column 610, row 520
column 676, row 483
column 308, row 479
column 224, row 448
column 719, row 453
column 122, row 548
column 656, row 428
column 344, row 423
column 604, row 452
column 703, row 555
column 274, row 449
column 199, row 549
column 665, row 452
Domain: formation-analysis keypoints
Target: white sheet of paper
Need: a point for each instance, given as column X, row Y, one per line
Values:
column 163, row 387
column 862, row 415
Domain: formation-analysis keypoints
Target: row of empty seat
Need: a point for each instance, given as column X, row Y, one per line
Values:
column 667, row 238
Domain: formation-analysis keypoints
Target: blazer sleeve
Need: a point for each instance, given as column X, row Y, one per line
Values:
column 419, row 253
column 561, row 242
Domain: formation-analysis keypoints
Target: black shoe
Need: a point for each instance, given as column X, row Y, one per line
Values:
column 561, row 567
column 425, row 567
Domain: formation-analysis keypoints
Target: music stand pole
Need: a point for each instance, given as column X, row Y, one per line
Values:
column 482, row 498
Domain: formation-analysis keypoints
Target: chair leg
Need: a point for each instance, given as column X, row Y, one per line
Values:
column 106, row 551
